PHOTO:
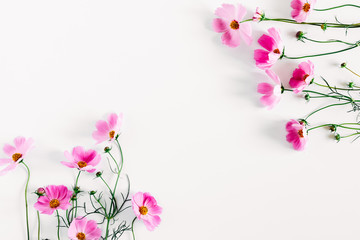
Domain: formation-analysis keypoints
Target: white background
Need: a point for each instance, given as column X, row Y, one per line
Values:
column 195, row 135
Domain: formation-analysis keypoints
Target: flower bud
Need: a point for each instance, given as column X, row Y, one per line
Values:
column 107, row 149
column 76, row 190
column 98, row 174
column 40, row 192
column 300, row 35
column 92, row 192
column 337, row 137
column 333, row 128
column 73, row 198
column 324, row 26
column 351, row 84
column 307, row 97
column 343, row 65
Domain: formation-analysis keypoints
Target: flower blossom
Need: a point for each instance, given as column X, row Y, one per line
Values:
column 56, row 197
column 15, row 153
column 146, row 209
column 301, row 9
column 258, row 15
column 297, row 134
column 231, row 26
column 108, row 130
column 274, row 49
column 302, row 76
column 82, row 160
column 83, row 229
column 272, row 92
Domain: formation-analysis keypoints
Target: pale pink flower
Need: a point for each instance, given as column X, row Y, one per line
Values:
column 297, row 134
column 56, row 197
column 15, row 153
column 82, row 160
column 274, row 49
column 258, row 15
column 302, row 76
column 146, row 209
column 231, row 26
column 302, row 9
column 272, row 91
column 83, row 229
column 108, row 130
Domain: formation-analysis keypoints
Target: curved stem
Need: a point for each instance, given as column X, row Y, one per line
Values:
column 322, row 54
column 38, row 218
column 328, row 41
column 352, row 71
column 357, row 133
column 132, row 228
column 26, row 201
column 323, row 125
column 331, row 105
column 345, row 5
column 58, row 227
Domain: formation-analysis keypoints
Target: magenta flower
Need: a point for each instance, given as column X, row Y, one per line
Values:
column 301, row 9
column 108, row 130
column 82, row 160
column 258, row 15
column 274, row 48
column 56, row 197
column 302, row 76
column 15, row 154
column 296, row 134
column 83, row 229
column 272, row 92
column 231, row 26
column 146, row 209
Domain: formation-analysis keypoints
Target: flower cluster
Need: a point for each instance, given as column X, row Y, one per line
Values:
column 303, row 81
column 65, row 202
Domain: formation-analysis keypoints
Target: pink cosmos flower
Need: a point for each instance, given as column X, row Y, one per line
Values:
column 258, row 15
column 108, row 130
column 230, row 24
column 56, row 197
column 82, row 160
column 302, row 76
column 83, row 229
column 274, row 48
column 301, row 9
column 272, row 92
column 146, row 209
column 296, row 134
column 15, row 154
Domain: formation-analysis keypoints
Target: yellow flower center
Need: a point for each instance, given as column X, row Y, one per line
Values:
column 16, row 156
column 80, row 236
column 54, row 203
column 305, row 77
column 301, row 133
column 82, row 164
column 277, row 51
column 234, row 25
column 112, row 134
column 143, row 210
column 306, row 7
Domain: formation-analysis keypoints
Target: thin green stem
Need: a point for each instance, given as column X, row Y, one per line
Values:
column 107, row 228
column 58, row 227
column 76, row 201
column 38, row 218
column 333, row 25
column 106, row 185
column 132, row 228
column 357, row 133
column 331, row 105
column 322, row 54
column 26, row 200
column 122, row 164
column 328, row 41
column 323, row 125
column 345, row 5
column 345, row 89
column 352, row 71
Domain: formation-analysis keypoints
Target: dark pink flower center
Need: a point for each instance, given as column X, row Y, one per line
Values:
column 305, row 77
column 277, row 51
column 80, row 236
column 234, row 25
column 306, row 7
column 112, row 134
column 143, row 210
column 54, row 203
column 301, row 133
column 82, row 164
column 16, row 156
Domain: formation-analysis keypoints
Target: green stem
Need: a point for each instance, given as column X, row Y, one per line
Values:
column 352, row 71
column 122, row 164
column 26, row 201
column 132, row 228
column 331, row 105
column 345, row 5
column 322, row 54
column 76, row 201
column 345, row 89
column 107, row 228
column 323, row 95
column 357, row 133
column 38, row 218
column 333, row 25
column 328, row 41
column 58, row 227
column 323, row 125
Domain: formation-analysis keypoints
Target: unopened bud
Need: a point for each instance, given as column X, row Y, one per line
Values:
column 40, row 192
column 98, row 174
column 337, row 137
column 351, row 84
column 92, row 192
column 300, row 35
column 307, row 97
column 73, row 198
column 76, row 190
column 107, row 149
column 333, row 128
column 343, row 65
column 324, row 26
